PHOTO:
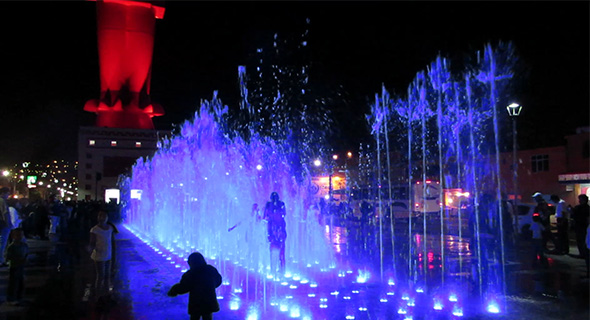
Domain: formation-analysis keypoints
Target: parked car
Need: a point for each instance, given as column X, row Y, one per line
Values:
column 524, row 218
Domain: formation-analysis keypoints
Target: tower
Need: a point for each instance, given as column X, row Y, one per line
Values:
column 123, row 131
column 125, row 31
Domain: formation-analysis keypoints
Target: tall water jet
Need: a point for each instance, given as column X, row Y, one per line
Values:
column 452, row 129
column 198, row 192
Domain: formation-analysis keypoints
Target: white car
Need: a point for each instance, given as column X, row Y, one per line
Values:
column 524, row 217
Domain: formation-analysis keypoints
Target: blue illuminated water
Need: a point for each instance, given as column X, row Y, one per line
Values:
column 199, row 188
column 447, row 131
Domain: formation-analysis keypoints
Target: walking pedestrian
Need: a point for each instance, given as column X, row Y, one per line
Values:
column 580, row 216
column 16, row 255
column 102, row 239
column 200, row 282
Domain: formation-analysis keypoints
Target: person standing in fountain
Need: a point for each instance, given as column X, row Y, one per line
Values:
column 200, row 281
column 274, row 214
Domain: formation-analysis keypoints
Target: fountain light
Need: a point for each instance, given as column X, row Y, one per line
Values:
column 363, row 276
column 437, row 305
column 234, row 304
column 493, row 307
column 294, row 312
column 283, row 307
column 457, row 311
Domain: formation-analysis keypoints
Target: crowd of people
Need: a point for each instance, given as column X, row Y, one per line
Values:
column 67, row 224
column 568, row 219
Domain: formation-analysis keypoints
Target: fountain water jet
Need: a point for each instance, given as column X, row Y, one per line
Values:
column 200, row 184
column 451, row 135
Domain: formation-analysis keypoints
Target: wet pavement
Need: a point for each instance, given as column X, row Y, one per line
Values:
column 58, row 286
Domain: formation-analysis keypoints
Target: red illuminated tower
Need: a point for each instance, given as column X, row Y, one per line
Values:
column 125, row 48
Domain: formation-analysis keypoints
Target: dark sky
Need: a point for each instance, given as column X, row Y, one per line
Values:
column 50, row 60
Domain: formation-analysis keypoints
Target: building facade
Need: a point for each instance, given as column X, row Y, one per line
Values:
column 104, row 154
column 561, row 170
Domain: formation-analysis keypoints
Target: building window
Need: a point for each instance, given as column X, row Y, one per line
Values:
column 89, row 166
column 88, row 187
column 138, row 144
column 113, row 143
column 88, row 176
column 89, row 156
column 91, row 142
column 540, row 163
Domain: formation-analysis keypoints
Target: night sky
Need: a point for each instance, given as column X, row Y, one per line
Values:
column 50, row 60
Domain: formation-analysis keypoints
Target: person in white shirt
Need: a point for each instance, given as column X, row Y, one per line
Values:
column 14, row 208
column 102, row 247
column 562, row 216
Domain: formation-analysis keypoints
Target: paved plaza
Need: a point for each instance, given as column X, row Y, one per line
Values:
column 58, row 286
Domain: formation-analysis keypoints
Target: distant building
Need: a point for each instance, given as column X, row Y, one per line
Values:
column 106, row 153
column 561, row 170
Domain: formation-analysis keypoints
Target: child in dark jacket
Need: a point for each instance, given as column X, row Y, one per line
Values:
column 200, row 282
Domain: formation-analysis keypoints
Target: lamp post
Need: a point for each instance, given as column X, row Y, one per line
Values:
column 514, row 111
column 330, row 187
column 347, row 175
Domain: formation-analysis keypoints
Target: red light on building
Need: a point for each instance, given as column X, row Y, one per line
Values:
column 125, row 47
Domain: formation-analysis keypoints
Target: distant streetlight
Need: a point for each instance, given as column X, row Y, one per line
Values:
column 514, row 111
column 348, row 156
column 317, row 162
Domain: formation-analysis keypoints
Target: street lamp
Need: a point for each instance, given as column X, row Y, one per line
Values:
column 330, row 186
column 514, row 111
column 347, row 174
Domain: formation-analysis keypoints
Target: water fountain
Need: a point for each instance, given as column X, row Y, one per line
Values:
column 450, row 137
column 197, row 193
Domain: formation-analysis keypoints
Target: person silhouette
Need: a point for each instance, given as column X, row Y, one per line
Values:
column 274, row 215
column 200, row 282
